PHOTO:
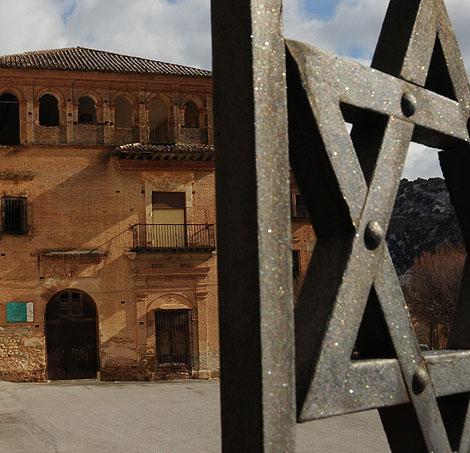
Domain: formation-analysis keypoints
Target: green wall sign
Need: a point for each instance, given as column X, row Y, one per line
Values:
column 20, row 312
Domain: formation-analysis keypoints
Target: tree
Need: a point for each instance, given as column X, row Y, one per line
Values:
column 433, row 290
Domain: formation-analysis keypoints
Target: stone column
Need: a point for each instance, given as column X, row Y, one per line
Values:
column 69, row 115
column 143, row 116
column 176, row 117
column 144, row 324
column 202, row 332
column 108, row 128
column 28, row 135
column 210, row 120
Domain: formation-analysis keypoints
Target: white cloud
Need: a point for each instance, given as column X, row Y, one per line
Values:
column 30, row 25
column 171, row 31
column 422, row 162
column 176, row 31
column 355, row 25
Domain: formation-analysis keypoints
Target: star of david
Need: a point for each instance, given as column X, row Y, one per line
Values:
column 416, row 90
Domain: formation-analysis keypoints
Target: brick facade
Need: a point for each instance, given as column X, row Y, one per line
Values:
column 82, row 202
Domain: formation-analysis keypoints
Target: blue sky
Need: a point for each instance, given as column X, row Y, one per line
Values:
column 179, row 31
column 321, row 9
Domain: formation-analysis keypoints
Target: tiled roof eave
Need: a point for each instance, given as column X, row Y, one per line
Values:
column 166, row 156
column 91, row 71
column 180, row 152
column 81, row 59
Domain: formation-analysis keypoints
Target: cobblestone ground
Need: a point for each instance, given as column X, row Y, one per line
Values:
column 180, row 417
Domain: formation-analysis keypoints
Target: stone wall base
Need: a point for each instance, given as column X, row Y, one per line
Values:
column 23, row 376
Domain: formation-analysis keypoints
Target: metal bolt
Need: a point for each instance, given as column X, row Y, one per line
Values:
column 420, row 380
column 408, row 104
column 373, row 235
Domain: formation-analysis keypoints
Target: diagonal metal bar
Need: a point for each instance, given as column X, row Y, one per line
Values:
column 347, row 299
column 376, row 91
column 417, row 90
column 254, row 237
column 410, row 358
column 407, row 39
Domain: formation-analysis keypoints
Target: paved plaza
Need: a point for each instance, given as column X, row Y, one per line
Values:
column 179, row 417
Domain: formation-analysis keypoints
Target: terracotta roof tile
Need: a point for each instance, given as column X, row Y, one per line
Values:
column 145, row 151
column 91, row 60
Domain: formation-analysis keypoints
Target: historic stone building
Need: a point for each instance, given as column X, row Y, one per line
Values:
column 107, row 247
column 107, row 241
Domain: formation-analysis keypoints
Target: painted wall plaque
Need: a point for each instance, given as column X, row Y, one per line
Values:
column 20, row 312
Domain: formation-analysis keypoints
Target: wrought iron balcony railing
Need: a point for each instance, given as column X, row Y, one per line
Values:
column 164, row 237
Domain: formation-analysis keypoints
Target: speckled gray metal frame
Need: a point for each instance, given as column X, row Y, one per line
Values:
column 417, row 90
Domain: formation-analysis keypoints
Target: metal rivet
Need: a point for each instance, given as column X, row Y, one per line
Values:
column 373, row 235
column 408, row 104
column 420, row 380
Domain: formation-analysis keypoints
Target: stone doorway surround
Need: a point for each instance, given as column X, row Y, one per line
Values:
column 172, row 288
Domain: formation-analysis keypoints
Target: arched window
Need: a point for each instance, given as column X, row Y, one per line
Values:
column 48, row 110
column 159, row 127
column 123, row 116
column 9, row 120
column 86, row 110
column 191, row 115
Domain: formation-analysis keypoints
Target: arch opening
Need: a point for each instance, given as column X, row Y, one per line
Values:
column 71, row 336
column 86, row 110
column 123, row 115
column 159, row 131
column 9, row 119
column 191, row 115
column 48, row 110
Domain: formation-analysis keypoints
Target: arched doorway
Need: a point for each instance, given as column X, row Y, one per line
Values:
column 9, row 119
column 71, row 336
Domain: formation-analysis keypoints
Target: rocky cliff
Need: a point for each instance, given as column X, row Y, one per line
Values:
column 423, row 217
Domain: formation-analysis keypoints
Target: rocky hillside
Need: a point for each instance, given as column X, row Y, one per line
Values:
column 423, row 217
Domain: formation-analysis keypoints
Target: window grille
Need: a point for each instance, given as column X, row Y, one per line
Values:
column 295, row 264
column 172, row 333
column 71, row 305
column 14, row 215
column 299, row 207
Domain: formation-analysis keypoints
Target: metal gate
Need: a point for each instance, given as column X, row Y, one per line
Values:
column 172, row 334
column 71, row 337
column 417, row 90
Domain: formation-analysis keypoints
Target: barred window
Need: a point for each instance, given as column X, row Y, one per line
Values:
column 299, row 207
column 295, row 264
column 14, row 215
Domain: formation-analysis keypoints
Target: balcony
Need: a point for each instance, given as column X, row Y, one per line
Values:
column 166, row 237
